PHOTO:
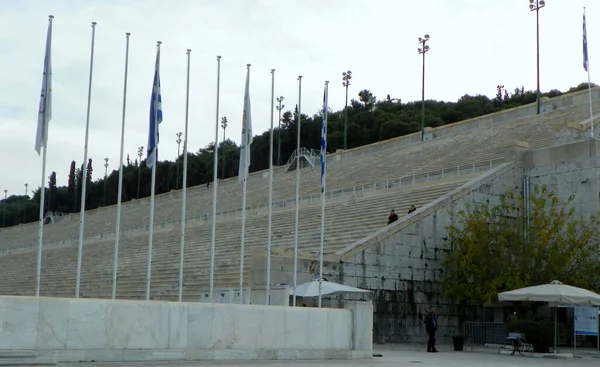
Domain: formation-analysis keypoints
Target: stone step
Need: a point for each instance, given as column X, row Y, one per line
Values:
column 27, row 362
column 18, row 354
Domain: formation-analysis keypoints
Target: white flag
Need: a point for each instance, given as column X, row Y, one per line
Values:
column 246, row 133
column 45, row 110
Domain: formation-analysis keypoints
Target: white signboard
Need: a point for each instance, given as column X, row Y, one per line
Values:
column 586, row 321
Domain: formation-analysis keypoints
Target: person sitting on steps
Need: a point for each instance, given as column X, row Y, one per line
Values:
column 392, row 217
column 411, row 209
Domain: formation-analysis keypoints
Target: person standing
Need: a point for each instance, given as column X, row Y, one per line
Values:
column 431, row 327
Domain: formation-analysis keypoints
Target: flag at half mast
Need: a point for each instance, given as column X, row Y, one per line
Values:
column 155, row 115
column 246, row 133
column 585, row 48
column 45, row 110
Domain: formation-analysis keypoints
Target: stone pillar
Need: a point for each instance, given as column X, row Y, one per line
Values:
column 362, row 324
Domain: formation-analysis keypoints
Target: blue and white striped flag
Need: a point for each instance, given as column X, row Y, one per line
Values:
column 585, row 49
column 45, row 109
column 246, row 133
column 324, row 139
column 156, row 115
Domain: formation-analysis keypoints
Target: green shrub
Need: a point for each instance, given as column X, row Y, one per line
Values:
column 540, row 334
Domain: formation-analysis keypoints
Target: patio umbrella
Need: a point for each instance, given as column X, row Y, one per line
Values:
column 311, row 289
column 555, row 292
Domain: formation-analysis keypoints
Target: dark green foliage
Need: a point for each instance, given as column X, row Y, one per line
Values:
column 369, row 121
column 540, row 334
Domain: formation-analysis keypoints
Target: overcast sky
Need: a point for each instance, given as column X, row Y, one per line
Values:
column 475, row 45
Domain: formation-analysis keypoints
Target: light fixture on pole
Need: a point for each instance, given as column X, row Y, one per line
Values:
column 346, row 76
column 224, row 126
column 536, row 5
column 279, row 107
column 105, row 179
column 178, row 141
column 423, row 50
column 4, row 211
column 140, row 153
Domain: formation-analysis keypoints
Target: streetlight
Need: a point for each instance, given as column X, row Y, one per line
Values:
column 178, row 141
column 346, row 76
column 105, row 179
column 536, row 5
column 25, row 207
column 279, row 108
column 140, row 152
column 4, row 211
column 224, row 126
column 423, row 51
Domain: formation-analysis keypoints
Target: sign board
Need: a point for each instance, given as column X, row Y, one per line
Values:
column 586, row 320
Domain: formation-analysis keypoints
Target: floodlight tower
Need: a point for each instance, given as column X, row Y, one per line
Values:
column 279, row 108
column 423, row 50
column 536, row 5
column 346, row 76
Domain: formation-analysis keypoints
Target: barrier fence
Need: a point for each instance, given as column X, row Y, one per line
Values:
column 482, row 333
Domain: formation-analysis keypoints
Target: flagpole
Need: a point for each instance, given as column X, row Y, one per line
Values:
column 84, row 167
column 215, row 183
column 245, row 184
column 152, row 185
column 44, row 115
column 323, row 185
column 268, row 280
column 297, row 189
column 120, row 190
column 184, row 184
column 587, row 62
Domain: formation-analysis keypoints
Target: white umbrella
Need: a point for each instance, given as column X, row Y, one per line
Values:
column 311, row 289
column 555, row 292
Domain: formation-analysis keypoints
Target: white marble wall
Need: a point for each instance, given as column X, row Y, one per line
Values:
column 94, row 324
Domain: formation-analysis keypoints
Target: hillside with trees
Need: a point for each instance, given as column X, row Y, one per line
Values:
column 369, row 120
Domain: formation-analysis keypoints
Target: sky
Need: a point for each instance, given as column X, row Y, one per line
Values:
column 475, row 45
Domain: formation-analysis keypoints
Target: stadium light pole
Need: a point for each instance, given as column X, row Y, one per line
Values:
column 178, row 141
column 279, row 108
column 423, row 50
column 346, row 76
column 224, row 126
column 4, row 211
column 140, row 152
column 536, row 5
column 105, row 179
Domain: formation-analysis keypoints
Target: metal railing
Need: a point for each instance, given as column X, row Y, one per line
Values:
column 485, row 333
column 356, row 190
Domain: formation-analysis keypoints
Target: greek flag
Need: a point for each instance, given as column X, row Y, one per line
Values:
column 155, row 116
column 45, row 109
column 324, row 140
column 246, row 133
column 585, row 49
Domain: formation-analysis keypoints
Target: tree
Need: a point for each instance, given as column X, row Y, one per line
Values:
column 503, row 247
column 52, row 192
column 88, row 172
column 71, row 187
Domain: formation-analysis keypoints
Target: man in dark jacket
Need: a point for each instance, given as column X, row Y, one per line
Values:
column 392, row 217
column 431, row 326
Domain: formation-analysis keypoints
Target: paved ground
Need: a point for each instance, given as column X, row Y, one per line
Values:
column 400, row 356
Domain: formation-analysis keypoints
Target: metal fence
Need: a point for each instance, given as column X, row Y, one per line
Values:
column 482, row 333
column 359, row 189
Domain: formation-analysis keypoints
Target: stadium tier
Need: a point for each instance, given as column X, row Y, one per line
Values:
column 417, row 173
